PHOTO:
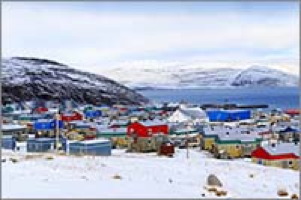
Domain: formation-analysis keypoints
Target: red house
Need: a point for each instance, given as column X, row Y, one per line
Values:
column 285, row 155
column 292, row 112
column 40, row 110
column 147, row 129
column 67, row 117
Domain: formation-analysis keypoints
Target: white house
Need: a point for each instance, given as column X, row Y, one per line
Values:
column 185, row 114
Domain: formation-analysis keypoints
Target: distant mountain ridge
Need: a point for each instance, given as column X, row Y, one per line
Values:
column 26, row 79
column 184, row 77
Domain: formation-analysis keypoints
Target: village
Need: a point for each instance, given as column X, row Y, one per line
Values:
column 198, row 138
column 268, row 138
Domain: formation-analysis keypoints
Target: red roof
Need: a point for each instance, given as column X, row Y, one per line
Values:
column 41, row 109
column 292, row 111
column 261, row 153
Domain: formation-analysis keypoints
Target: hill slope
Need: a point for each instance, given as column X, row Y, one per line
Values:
column 25, row 79
column 186, row 76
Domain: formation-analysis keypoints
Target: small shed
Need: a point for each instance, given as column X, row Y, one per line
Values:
column 97, row 147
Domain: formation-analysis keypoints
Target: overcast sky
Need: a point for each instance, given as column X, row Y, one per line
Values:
column 104, row 34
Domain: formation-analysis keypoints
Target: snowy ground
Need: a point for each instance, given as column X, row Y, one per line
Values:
column 142, row 176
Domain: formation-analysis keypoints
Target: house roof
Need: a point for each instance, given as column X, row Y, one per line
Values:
column 95, row 141
column 280, row 151
column 288, row 130
column 153, row 123
column 8, row 127
column 282, row 148
column 194, row 112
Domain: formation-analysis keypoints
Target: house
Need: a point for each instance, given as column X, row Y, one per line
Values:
column 284, row 155
column 97, row 147
column 186, row 114
column 92, row 114
column 47, row 127
column 184, row 131
column 292, row 112
column 25, row 118
column 107, row 132
column 8, row 142
column 210, row 133
column 138, row 115
column 119, row 123
column 67, row 117
column 19, row 132
column 45, row 144
column 118, row 136
column 287, row 134
column 40, row 110
column 147, row 128
column 228, row 115
column 145, row 136
column 236, row 145
column 79, row 125
column 230, row 141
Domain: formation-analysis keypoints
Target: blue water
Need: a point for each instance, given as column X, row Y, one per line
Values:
column 283, row 98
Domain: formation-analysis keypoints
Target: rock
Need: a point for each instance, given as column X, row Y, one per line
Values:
column 49, row 158
column 3, row 160
column 221, row 193
column 116, row 176
column 14, row 160
column 212, row 189
column 251, row 175
column 212, row 180
column 282, row 192
column 294, row 197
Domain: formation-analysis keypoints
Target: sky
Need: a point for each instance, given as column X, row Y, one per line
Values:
column 97, row 35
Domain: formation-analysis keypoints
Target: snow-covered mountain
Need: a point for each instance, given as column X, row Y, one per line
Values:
column 25, row 79
column 199, row 77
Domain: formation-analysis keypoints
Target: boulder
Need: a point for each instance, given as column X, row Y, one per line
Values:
column 212, row 180
column 282, row 192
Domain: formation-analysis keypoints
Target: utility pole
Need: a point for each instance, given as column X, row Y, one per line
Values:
column 57, row 118
column 187, row 152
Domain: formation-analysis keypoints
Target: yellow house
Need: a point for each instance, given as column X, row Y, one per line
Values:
column 207, row 140
column 235, row 145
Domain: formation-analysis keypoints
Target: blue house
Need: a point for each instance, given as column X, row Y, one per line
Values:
column 8, row 142
column 47, row 124
column 44, row 144
column 98, row 147
column 92, row 114
column 228, row 115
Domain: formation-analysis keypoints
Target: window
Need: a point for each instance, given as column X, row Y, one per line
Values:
column 237, row 147
column 290, row 163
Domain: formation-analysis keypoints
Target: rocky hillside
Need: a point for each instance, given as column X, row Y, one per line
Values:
column 25, row 79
